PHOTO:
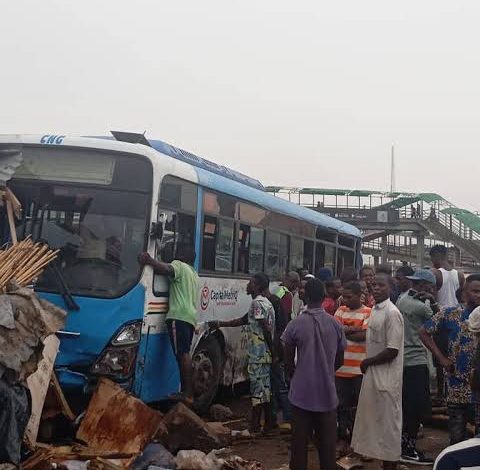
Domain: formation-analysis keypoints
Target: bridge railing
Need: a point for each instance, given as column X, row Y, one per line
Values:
column 354, row 208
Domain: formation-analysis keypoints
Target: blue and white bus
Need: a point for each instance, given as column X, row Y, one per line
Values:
column 102, row 201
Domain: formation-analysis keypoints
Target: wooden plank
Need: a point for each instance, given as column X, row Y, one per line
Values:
column 38, row 384
column 11, row 221
column 55, row 402
column 16, row 206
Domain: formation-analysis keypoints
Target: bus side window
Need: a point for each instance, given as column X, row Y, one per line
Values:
column 346, row 258
column 255, row 258
column 224, row 246
column 243, row 249
column 331, row 258
column 296, row 253
column 308, row 248
column 166, row 250
column 319, row 256
column 208, row 244
column 284, row 252
column 179, row 229
column 276, row 252
column 250, row 249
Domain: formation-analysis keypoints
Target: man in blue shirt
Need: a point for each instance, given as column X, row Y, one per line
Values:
column 458, row 364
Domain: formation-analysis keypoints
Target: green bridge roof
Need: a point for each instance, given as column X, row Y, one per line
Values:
column 399, row 200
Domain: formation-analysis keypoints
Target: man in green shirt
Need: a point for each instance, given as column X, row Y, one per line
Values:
column 417, row 306
column 182, row 311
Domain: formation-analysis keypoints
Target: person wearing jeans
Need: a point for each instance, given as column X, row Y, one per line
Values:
column 280, row 391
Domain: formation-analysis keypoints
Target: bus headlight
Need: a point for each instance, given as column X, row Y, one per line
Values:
column 118, row 362
column 119, row 357
column 129, row 334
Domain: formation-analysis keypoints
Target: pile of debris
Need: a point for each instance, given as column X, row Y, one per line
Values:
column 119, row 431
column 28, row 347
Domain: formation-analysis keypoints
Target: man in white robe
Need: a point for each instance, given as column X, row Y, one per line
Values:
column 378, row 425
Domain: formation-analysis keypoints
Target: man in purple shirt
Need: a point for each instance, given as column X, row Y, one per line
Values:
column 319, row 341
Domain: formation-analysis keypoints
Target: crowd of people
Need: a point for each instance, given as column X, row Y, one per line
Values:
column 347, row 361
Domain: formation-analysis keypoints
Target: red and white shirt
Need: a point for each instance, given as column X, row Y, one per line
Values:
column 355, row 352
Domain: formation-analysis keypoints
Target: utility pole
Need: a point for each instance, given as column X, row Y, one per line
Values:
column 392, row 171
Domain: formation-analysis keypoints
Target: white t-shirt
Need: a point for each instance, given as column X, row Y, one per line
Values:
column 447, row 295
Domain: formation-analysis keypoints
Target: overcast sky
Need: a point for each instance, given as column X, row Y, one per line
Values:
column 297, row 93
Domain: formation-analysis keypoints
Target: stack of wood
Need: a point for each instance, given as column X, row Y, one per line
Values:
column 24, row 261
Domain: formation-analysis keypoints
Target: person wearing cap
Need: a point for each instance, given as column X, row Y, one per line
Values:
column 417, row 306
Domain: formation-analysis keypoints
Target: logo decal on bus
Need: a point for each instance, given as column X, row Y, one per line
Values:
column 205, row 298
column 222, row 297
column 52, row 139
column 225, row 296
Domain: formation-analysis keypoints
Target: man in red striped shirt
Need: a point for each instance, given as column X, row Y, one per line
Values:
column 353, row 315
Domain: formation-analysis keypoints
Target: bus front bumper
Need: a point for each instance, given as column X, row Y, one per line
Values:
column 76, row 383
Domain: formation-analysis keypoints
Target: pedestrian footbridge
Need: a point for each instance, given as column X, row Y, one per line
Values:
column 398, row 227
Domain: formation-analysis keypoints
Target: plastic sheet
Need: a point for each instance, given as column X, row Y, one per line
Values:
column 14, row 416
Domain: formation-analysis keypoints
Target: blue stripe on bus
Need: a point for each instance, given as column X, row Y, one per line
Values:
column 273, row 203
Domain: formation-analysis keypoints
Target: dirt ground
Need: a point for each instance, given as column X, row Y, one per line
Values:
column 273, row 452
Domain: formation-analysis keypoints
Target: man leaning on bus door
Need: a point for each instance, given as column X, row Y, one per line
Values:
column 182, row 311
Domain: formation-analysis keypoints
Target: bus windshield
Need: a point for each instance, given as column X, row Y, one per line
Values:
column 99, row 224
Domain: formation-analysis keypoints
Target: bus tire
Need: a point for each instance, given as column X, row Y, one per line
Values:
column 207, row 369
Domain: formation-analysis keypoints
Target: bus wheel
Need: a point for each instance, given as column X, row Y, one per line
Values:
column 207, row 366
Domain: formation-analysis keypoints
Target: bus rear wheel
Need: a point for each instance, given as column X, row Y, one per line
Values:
column 207, row 367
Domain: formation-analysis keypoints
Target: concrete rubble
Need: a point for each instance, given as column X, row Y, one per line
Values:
column 25, row 322
column 220, row 413
column 186, row 431
column 197, row 460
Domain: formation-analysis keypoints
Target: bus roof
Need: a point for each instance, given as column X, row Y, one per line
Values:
column 219, row 178
column 223, row 179
column 184, row 156
column 208, row 165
